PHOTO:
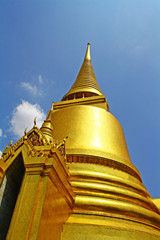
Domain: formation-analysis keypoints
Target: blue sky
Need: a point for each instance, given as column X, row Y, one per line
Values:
column 42, row 46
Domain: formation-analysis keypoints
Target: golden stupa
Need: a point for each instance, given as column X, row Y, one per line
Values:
column 73, row 179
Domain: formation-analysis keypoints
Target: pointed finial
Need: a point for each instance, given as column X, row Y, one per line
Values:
column 88, row 53
column 52, row 105
column 35, row 122
column 11, row 143
column 25, row 133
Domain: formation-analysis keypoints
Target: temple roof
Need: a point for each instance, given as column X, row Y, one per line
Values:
column 86, row 81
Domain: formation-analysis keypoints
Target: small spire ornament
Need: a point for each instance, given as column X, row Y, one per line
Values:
column 25, row 133
column 11, row 143
column 35, row 122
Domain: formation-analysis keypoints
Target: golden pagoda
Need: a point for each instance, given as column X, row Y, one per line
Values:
column 73, row 179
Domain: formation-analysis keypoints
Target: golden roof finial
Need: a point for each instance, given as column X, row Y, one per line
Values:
column 86, row 80
column 35, row 122
column 88, row 53
column 11, row 143
column 25, row 133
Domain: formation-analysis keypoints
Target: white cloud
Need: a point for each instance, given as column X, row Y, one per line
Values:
column 23, row 116
column 0, row 154
column 29, row 87
column 0, row 132
column 40, row 79
column 34, row 89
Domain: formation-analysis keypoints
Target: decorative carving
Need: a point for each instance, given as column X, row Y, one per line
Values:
column 40, row 154
column 105, row 162
column 35, row 139
column 61, row 146
column 32, row 139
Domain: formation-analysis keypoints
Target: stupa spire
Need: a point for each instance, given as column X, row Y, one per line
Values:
column 85, row 84
column 88, row 52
